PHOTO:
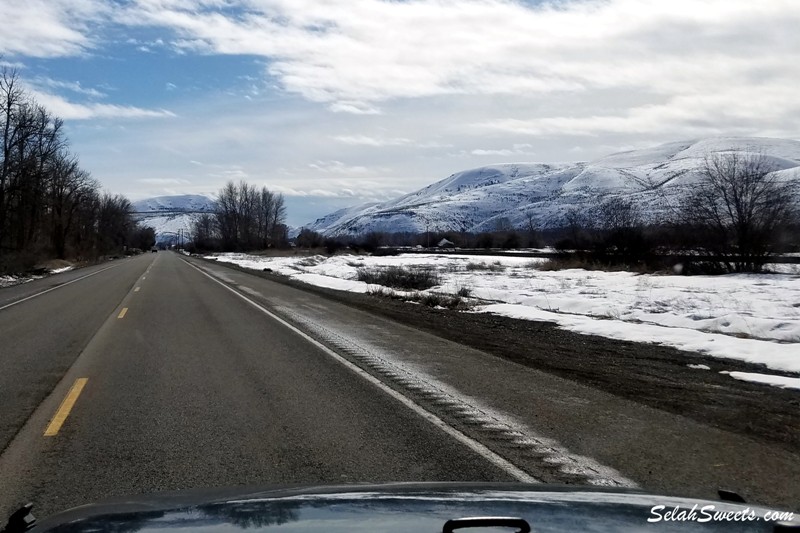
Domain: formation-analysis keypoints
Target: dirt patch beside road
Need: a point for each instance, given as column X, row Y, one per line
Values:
column 656, row 376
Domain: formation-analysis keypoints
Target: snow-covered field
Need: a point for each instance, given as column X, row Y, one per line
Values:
column 753, row 318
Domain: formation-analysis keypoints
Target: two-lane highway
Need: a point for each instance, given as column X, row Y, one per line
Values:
column 183, row 385
column 162, row 372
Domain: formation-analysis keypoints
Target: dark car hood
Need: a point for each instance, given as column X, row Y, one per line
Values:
column 390, row 508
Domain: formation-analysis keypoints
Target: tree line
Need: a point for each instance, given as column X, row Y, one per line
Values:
column 738, row 214
column 49, row 205
column 245, row 218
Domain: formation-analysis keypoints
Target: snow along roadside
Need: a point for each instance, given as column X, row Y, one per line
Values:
column 575, row 294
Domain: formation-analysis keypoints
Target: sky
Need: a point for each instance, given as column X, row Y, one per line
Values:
column 339, row 102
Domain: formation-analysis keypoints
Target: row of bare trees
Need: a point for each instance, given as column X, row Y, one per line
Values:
column 735, row 216
column 245, row 218
column 49, row 206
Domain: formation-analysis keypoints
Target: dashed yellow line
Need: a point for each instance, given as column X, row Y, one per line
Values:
column 136, row 289
column 65, row 408
column 144, row 277
column 122, row 313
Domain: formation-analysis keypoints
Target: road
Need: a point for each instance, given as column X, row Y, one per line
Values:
column 161, row 372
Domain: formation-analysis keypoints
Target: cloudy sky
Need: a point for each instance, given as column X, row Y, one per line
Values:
column 339, row 102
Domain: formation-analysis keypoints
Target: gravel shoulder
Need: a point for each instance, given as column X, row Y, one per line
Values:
column 649, row 374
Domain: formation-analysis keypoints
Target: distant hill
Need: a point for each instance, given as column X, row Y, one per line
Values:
column 481, row 199
column 172, row 215
column 183, row 202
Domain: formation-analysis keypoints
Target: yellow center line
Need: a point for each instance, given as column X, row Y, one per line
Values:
column 65, row 407
column 136, row 289
column 144, row 277
column 122, row 313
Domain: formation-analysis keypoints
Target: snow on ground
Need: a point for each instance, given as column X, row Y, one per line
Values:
column 749, row 317
column 8, row 281
column 777, row 381
column 11, row 280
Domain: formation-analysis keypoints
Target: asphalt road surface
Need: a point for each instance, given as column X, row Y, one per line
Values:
column 161, row 372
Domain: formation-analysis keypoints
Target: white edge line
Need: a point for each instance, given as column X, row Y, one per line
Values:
column 56, row 287
column 474, row 445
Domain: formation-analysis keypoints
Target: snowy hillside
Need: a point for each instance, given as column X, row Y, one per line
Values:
column 482, row 199
column 184, row 202
column 172, row 215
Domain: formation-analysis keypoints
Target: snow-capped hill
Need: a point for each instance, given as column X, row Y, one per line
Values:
column 172, row 216
column 486, row 198
column 470, row 180
column 337, row 217
column 634, row 158
column 184, row 202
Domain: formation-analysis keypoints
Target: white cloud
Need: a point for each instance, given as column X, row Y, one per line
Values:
column 11, row 64
column 517, row 149
column 164, row 181
column 503, row 152
column 48, row 28
column 365, row 140
column 770, row 111
column 355, row 54
column 356, row 108
column 338, row 192
column 65, row 109
column 380, row 142
column 72, row 86
column 337, row 167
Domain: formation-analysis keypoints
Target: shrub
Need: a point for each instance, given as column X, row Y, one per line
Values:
column 464, row 292
column 381, row 291
column 435, row 299
column 598, row 262
column 429, row 299
column 332, row 246
column 309, row 262
column 399, row 277
column 486, row 267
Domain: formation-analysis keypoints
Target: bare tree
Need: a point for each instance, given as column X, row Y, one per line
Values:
column 534, row 239
column 11, row 98
column 69, row 187
column 277, row 226
column 204, row 232
column 739, row 207
column 618, row 213
column 227, row 216
column 114, row 223
column 247, row 218
column 620, row 229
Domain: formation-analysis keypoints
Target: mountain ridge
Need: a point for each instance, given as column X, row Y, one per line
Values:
column 178, row 202
column 171, row 216
column 485, row 198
